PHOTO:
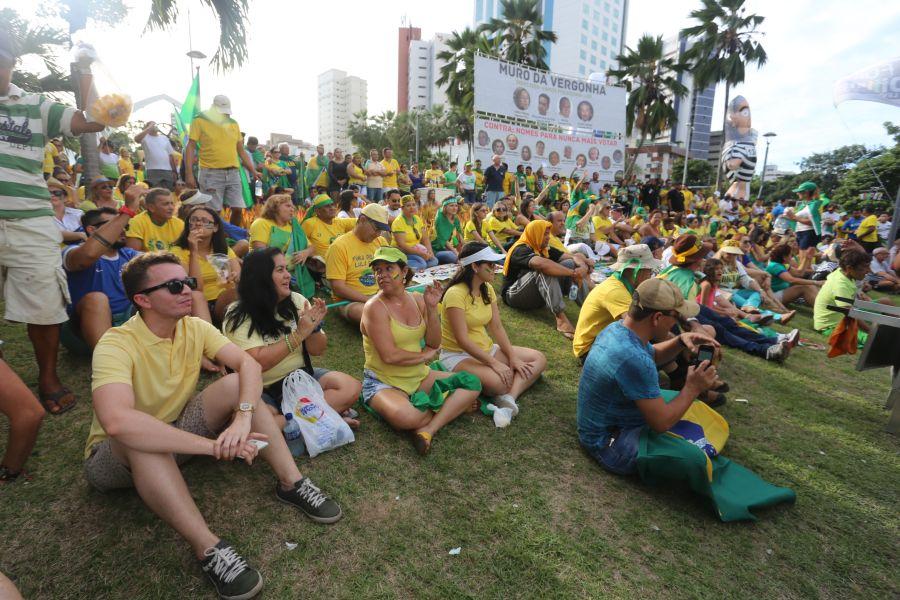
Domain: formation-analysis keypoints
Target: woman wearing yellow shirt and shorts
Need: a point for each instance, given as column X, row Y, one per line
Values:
column 401, row 336
column 470, row 322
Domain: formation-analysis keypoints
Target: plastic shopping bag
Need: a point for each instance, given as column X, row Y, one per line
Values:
column 322, row 428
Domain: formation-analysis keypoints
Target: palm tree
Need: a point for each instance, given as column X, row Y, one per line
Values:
column 41, row 42
column 232, row 16
column 652, row 83
column 519, row 33
column 726, row 41
column 458, row 76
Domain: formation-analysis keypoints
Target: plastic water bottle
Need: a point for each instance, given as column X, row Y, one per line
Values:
column 293, row 435
column 573, row 292
column 259, row 189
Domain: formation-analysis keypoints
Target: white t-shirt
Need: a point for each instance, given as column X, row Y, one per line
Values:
column 71, row 220
column 833, row 217
column 109, row 158
column 884, row 229
column 803, row 213
column 467, row 181
column 157, row 149
column 878, row 266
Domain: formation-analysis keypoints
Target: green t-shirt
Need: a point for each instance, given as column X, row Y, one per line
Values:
column 685, row 279
column 837, row 284
column 775, row 270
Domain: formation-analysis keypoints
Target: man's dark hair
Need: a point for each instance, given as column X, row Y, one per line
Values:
column 852, row 259
column 92, row 217
column 252, row 140
column 387, row 194
column 638, row 312
column 155, row 193
column 59, row 171
column 134, row 275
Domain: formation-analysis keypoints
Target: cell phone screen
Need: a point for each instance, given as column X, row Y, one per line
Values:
column 705, row 353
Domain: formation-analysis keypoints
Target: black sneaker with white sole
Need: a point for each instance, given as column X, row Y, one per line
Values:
column 233, row 577
column 310, row 499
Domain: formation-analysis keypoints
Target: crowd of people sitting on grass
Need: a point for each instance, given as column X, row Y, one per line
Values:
column 158, row 272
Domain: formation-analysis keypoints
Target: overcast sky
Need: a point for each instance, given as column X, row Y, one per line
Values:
column 810, row 43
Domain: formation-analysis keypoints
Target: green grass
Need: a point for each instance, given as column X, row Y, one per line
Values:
column 535, row 517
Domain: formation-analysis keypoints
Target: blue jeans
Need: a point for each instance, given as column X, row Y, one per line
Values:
column 376, row 194
column 446, row 257
column 731, row 334
column 620, row 456
column 417, row 263
column 490, row 198
column 469, row 196
column 744, row 297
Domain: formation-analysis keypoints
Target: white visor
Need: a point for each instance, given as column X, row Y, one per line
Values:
column 483, row 255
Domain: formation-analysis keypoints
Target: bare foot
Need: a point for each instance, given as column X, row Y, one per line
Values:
column 476, row 404
column 787, row 316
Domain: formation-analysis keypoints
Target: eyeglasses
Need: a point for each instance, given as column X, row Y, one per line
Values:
column 106, row 187
column 500, row 210
column 202, row 223
column 100, row 224
column 58, row 193
column 175, row 286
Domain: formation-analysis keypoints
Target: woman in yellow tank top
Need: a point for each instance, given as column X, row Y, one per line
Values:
column 401, row 335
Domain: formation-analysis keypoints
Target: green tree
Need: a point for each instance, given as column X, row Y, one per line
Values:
column 519, row 33
column 699, row 172
column 457, row 77
column 651, row 80
column 42, row 42
column 832, row 166
column 725, row 42
column 861, row 180
column 233, row 20
column 367, row 132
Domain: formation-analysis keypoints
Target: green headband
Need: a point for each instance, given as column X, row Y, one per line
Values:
column 450, row 200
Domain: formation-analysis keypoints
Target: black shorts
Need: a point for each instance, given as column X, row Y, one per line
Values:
column 870, row 247
column 807, row 239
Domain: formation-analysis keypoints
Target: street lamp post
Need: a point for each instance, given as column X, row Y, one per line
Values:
column 687, row 155
column 192, row 55
column 762, row 179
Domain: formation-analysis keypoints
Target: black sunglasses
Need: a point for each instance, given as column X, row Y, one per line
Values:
column 175, row 286
column 58, row 193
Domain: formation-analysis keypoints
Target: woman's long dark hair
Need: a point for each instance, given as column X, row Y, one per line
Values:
column 467, row 273
column 258, row 298
column 218, row 243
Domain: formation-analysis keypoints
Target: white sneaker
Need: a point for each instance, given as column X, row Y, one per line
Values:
column 507, row 401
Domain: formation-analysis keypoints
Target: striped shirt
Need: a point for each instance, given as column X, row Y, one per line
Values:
column 27, row 123
column 746, row 151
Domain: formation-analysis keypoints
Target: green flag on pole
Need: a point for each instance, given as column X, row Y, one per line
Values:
column 189, row 109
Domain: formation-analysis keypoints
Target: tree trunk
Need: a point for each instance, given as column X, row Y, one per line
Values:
column 637, row 150
column 724, row 120
column 81, row 84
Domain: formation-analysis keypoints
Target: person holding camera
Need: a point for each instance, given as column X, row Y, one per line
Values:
column 619, row 394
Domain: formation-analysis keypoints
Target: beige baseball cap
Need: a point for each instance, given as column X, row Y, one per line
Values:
column 663, row 295
column 222, row 104
column 378, row 215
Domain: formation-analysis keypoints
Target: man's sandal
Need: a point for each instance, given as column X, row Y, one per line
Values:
column 422, row 442
column 52, row 401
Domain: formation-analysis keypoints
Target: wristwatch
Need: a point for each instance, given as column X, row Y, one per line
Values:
column 245, row 407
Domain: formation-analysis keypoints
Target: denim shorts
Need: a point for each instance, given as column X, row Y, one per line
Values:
column 619, row 456
column 272, row 393
column 371, row 385
column 807, row 239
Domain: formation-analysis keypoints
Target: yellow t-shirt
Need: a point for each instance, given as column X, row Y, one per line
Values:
column 218, row 142
column 126, row 167
column 154, row 237
column 434, row 177
column 508, row 181
column 356, row 174
column 492, row 223
column 242, row 339
column 413, row 233
column 212, row 287
column 479, row 179
column 469, row 230
column 321, row 235
column 50, row 154
column 391, row 168
column 601, row 226
column 348, row 260
column 478, row 315
column 872, row 236
column 163, row 373
column 603, row 305
column 261, row 231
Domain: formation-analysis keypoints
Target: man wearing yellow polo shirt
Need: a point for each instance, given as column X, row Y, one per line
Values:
column 149, row 419
column 157, row 227
column 322, row 227
column 867, row 232
column 391, row 168
column 221, row 153
column 610, row 300
column 347, row 262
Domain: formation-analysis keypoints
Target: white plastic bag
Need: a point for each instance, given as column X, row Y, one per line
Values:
column 322, row 428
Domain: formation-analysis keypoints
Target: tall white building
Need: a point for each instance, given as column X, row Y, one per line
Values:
column 424, row 71
column 340, row 97
column 591, row 33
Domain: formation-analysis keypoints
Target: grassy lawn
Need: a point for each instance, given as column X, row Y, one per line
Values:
column 534, row 516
